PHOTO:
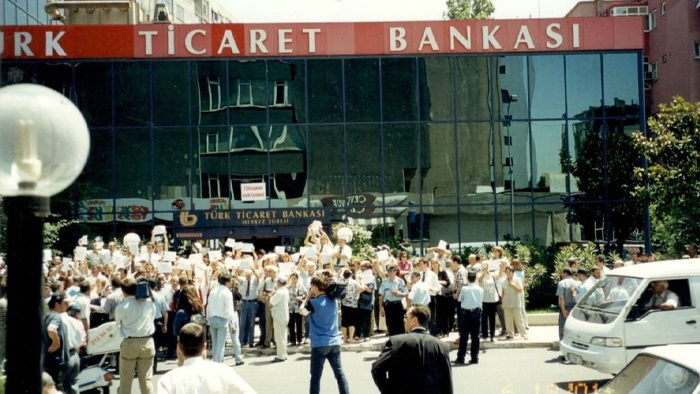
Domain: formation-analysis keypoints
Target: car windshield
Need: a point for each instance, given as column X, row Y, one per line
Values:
column 604, row 301
column 648, row 374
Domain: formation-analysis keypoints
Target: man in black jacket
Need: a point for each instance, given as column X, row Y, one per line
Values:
column 415, row 362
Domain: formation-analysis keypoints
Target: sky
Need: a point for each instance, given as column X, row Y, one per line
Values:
column 259, row 11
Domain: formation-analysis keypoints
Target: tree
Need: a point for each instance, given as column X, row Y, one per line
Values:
column 606, row 158
column 469, row 9
column 672, row 149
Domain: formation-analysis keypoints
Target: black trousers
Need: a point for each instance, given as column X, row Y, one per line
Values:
column 364, row 321
column 393, row 310
column 445, row 314
column 432, row 327
column 488, row 320
column 158, row 340
column 295, row 320
column 471, row 322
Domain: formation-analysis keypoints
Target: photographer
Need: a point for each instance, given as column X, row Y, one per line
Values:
column 325, row 338
column 135, row 317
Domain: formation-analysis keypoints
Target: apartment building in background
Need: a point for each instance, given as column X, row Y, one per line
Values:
column 672, row 48
column 101, row 12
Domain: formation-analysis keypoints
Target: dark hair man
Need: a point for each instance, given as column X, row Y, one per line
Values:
column 414, row 362
column 197, row 374
column 324, row 333
column 134, row 317
column 60, row 360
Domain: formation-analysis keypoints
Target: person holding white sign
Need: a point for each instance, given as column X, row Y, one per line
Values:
column 342, row 253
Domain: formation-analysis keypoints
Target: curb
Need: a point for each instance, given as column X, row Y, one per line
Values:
column 378, row 346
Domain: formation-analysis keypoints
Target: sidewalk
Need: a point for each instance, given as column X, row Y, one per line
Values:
column 538, row 337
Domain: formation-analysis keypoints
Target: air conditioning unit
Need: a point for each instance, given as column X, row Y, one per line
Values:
column 650, row 75
column 162, row 14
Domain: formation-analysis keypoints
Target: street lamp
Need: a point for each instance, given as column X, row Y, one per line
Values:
column 44, row 144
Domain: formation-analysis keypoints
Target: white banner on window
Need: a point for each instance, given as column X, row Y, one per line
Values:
column 253, row 191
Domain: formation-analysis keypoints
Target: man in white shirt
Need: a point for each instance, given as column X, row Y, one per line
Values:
column 134, row 317
column 662, row 297
column 280, row 317
column 198, row 375
column 220, row 316
column 342, row 253
column 419, row 294
column 433, row 284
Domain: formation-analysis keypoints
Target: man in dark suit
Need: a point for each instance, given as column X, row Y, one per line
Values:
column 415, row 362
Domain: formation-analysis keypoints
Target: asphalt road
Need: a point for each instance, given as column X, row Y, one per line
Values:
column 500, row 371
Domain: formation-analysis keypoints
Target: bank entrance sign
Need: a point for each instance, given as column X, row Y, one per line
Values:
column 320, row 39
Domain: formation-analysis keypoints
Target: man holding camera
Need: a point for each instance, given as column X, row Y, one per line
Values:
column 134, row 317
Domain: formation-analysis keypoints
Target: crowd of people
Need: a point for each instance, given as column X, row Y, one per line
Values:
column 236, row 287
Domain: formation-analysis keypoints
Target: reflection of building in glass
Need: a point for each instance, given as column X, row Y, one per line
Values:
column 462, row 147
column 604, row 160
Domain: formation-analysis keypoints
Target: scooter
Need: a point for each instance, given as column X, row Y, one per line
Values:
column 105, row 341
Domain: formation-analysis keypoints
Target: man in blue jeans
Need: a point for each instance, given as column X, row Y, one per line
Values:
column 220, row 316
column 324, row 334
column 249, row 306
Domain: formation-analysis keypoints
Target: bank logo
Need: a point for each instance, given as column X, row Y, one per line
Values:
column 187, row 220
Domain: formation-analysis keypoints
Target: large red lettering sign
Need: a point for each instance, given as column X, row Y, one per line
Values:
column 320, row 39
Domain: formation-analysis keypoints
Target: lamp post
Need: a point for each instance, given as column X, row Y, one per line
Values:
column 44, row 144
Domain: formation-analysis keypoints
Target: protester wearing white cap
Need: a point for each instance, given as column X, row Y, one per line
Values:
column 280, row 317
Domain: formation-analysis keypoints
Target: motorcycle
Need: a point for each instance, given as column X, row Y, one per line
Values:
column 103, row 341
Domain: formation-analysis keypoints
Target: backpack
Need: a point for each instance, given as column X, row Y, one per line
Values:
column 199, row 319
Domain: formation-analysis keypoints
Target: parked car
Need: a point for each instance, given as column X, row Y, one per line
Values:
column 661, row 369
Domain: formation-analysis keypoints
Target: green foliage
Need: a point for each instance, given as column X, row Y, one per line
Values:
column 599, row 183
column 53, row 227
column 468, row 9
column 539, row 289
column 361, row 242
column 585, row 254
column 672, row 149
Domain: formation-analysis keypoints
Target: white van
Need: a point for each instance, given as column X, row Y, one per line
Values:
column 615, row 320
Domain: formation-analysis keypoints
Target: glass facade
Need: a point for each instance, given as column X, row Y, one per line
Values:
column 24, row 12
column 462, row 148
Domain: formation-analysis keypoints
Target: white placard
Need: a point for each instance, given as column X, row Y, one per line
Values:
column 311, row 253
column 142, row 257
column 199, row 270
column 442, row 245
column 196, row 258
column 382, row 256
column 118, row 261
column 494, row 265
column 253, row 191
column 295, row 257
column 83, row 241
column 65, row 266
column 106, row 255
column 279, row 249
column 230, row 263
column 285, row 268
column 169, row 256
column 214, row 255
column 48, row 255
column 315, row 225
column 80, row 253
column 159, row 230
column 184, row 264
column 230, row 243
column 134, row 249
column 247, row 247
column 245, row 264
column 165, row 267
column 326, row 259
column 144, row 249
column 155, row 257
